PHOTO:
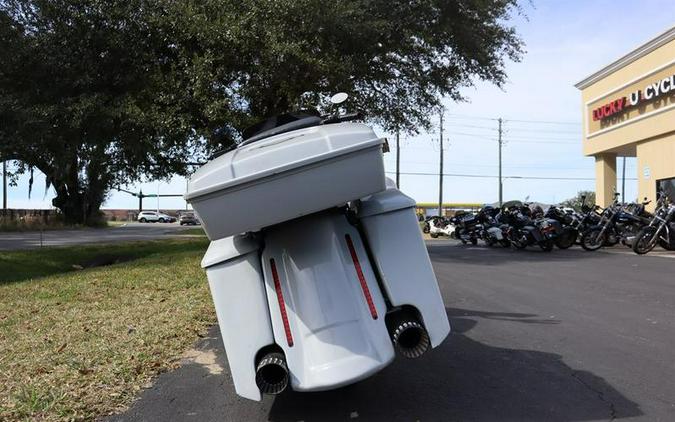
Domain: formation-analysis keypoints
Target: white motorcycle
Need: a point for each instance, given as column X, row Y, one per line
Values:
column 439, row 226
column 317, row 269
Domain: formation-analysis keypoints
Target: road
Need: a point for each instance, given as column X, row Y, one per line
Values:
column 561, row 336
column 131, row 231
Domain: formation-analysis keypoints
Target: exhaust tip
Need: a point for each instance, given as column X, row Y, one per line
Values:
column 271, row 373
column 411, row 339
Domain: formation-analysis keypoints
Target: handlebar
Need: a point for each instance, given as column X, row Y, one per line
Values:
column 343, row 118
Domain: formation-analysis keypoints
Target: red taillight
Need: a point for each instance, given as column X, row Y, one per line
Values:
column 362, row 279
column 282, row 304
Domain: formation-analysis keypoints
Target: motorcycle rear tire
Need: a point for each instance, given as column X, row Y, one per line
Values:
column 433, row 235
column 519, row 245
column 566, row 239
column 546, row 245
column 505, row 243
column 474, row 241
column 610, row 241
column 588, row 243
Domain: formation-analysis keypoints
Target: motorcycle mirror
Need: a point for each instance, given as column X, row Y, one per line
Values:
column 339, row 98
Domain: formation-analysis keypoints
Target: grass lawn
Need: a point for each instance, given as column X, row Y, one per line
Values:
column 194, row 231
column 79, row 338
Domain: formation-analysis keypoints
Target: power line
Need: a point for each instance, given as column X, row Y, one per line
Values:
column 465, row 164
column 440, row 173
column 546, row 122
column 473, row 135
column 464, row 116
column 476, row 127
column 487, row 176
column 493, row 166
column 553, row 138
column 550, row 122
column 542, row 140
column 525, row 140
column 558, row 132
column 517, row 129
column 398, row 159
column 444, row 174
column 501, row 143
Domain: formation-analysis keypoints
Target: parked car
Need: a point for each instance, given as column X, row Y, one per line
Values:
column 188, row 218
column 154, row 217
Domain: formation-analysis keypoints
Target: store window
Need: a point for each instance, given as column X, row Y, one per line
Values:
column 667, row 186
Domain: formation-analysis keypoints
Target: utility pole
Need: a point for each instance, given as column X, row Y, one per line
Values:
column 398, row 161
column 623, row 181
column 4, row 185
column 501, row 199
column 440, row 172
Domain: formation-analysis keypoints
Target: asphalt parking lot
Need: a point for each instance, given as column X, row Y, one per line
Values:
column 127, row 232
column 562, row 336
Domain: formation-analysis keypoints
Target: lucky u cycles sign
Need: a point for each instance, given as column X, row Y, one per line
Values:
column 650, row 92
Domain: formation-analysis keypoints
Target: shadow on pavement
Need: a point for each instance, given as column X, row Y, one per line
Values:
column 467, row 380
column 462, row 379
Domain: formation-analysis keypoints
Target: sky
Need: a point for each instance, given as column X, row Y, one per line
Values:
column 565, row 41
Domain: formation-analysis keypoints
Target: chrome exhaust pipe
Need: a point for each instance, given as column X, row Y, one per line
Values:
column 409, row 336
column 271, row 373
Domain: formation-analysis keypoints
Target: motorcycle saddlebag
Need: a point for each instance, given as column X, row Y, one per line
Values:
column 401, row 258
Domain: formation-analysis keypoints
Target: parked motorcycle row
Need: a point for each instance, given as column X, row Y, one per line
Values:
column 519, row 225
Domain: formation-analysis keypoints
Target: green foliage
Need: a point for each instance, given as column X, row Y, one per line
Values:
column 102, row 93
column 582, row 197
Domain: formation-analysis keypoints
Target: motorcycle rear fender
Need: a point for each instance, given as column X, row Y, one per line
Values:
column 496, row 232
column 534, row 232
column 327, row 311
column 556, row 224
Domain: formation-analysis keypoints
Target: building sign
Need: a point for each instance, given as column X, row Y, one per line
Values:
column 640, row 97
column 651, row 91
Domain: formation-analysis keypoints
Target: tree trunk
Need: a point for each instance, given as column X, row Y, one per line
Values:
column 80, row 200
column 80, row 207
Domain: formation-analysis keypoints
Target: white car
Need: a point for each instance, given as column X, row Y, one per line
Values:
column 154, row 217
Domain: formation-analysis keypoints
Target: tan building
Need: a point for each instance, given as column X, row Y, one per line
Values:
column 629, row 111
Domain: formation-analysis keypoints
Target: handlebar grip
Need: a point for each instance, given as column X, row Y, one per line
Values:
column 344, row 118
